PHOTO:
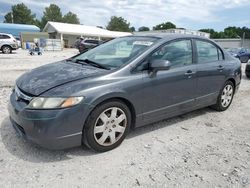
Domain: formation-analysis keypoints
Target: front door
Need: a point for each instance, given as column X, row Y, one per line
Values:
column 172, row 91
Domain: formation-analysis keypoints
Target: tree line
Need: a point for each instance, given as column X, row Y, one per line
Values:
column 229, row 32
column 21, row 14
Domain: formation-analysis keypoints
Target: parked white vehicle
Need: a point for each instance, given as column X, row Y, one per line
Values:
column 7, row 43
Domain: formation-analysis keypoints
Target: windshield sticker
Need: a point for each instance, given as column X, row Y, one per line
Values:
column 144, row 43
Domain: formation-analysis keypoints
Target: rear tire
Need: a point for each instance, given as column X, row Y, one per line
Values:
column 6, row 49
column 225, row 97
column 107, row 126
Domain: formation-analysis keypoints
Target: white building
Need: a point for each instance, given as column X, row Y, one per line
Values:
column 68, row 33
column 182, row 31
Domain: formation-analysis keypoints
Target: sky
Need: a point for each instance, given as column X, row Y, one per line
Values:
column 189, row 14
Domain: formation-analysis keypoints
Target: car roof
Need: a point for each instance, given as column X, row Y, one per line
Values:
column 168, row 35
column 5, row 34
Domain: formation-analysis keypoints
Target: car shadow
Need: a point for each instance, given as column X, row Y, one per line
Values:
column 13, row 52
column 168, row 122
column 27, row 151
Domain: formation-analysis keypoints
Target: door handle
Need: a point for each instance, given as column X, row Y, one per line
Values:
column 189, row 73
column 220, row 68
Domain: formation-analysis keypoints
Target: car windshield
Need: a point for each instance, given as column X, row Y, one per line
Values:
column 117, row 52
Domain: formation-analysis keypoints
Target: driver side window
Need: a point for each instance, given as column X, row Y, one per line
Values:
column 179, row 53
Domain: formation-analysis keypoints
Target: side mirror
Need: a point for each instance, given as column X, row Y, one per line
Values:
column 159, row 64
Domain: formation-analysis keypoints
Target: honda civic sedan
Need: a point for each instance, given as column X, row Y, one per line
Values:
column 95, row 98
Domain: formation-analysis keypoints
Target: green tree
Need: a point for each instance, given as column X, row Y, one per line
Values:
column 143, row 28
column 38, row 23
column 246, row 31
column 20, row 14
column 71, row 18
column 51, row 13
column 240, row 31
column 229, row 32
column 8, row 18
column 163, row 26
column 132, row 29
column 118, row 24
column 213, row 34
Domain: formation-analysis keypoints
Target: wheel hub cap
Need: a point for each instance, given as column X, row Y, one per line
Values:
column 227, row 95
column 6, row 50
column 110, row 126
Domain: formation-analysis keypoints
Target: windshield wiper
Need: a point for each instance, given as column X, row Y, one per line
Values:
column 95, row 64
column 70, row 59
column 89, row 62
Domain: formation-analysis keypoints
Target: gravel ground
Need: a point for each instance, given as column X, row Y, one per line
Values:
column 203, row 148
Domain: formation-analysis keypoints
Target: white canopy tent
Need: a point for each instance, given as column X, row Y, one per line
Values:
column 69, row 32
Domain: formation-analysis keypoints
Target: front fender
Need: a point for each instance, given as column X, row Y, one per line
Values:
column 107, row 96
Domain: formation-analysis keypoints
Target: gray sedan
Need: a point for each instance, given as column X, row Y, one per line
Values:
column 95, row 98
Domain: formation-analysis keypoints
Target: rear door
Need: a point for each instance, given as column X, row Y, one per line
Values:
column 210, row 71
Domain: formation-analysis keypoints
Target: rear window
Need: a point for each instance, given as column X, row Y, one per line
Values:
column 207, row 52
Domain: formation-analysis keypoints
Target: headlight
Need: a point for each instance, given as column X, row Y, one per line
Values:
column 50, row 103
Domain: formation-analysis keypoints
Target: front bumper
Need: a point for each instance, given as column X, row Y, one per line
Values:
column 14, row 46
column 52, row 129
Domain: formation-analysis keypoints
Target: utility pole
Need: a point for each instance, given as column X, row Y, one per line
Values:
column 11, row 14
column 243, row 40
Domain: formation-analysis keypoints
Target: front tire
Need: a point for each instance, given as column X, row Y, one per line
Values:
column 225, row 97
column 107, row 126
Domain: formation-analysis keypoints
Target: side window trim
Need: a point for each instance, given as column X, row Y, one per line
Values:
column 222, row 54
column 194, row 49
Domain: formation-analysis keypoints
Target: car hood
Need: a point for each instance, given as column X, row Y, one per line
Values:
column 46, row 77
